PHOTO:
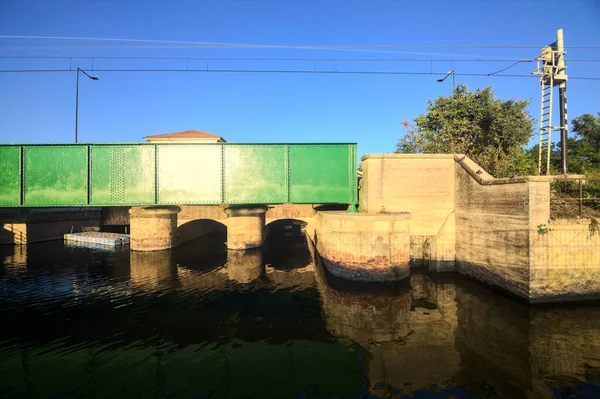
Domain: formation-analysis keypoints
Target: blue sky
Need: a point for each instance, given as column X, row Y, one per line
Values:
column 270, row 107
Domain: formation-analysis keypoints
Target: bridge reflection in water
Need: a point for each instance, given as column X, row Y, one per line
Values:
column 201, row 321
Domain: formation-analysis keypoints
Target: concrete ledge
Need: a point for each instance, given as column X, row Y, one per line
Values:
column 245, row 211
column 154, row 211
column 407, row 156
column 484, row 178
column 363, row 247
column 70, row 209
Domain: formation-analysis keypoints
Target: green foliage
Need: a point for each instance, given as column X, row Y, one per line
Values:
column 594, row 227
column 490, row 131
column 583, row 149
column 543, row 229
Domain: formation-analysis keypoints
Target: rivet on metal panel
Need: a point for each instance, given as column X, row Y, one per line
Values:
column 156, row 174
column 22, row 175
column 89, row 175
column 117, row 175
column 222, row 170
column 287, row 172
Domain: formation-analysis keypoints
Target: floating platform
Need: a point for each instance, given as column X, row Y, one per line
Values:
column 98, row 239
column 96, row 247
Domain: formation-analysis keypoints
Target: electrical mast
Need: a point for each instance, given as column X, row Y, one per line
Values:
column 552, row 70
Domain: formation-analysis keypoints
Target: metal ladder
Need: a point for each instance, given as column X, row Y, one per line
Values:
column 546, row 128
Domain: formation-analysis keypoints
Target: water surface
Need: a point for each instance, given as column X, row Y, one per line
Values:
column 201, row 322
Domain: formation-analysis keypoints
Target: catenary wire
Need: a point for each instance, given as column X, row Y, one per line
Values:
column 277, row 46
column 283, row 71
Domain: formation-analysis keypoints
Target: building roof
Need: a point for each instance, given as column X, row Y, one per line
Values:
column 188, row 134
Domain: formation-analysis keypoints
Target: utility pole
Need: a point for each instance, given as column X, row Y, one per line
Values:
column 551, row 68
column 562, row 102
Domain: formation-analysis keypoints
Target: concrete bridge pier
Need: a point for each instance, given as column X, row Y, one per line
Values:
column 153, row 228
column 245, row 227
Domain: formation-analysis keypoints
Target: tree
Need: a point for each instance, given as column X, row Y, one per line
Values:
column 492, row 132
column 584, row 149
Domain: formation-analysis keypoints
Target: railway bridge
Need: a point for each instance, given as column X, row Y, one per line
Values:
column 236, row 183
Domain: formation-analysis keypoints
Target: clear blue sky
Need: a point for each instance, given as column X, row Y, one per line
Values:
column 254, row 107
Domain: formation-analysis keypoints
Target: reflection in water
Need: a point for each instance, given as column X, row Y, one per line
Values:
column 152, row 270
column 409, row 344
column 245, row 267
column 201, row 321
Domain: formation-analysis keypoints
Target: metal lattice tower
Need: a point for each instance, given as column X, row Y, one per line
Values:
column 551, row 68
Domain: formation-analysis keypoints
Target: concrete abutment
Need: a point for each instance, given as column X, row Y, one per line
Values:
column 363, row 247
column 498, row 231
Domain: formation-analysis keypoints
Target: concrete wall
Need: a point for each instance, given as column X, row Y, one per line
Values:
column 564, row 261
column 115, row 215
column 464, row 219
column 423, row 185
column 493, row 227
column 363, row 247
column 26, row 226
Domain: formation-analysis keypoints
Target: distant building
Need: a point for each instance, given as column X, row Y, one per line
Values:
column 189, row 136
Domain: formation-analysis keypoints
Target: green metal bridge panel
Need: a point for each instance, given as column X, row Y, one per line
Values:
column 10, row 176
column 123, row 175
column 55, row 176
column 255, row 174
column 322, row 174
column 171, row 174
column 189, row 174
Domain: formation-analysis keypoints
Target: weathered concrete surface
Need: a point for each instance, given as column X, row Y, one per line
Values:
column 153, row 228
column 245, row 227
column 424, row 186
column 29, row 225
column 198, row 221
column 504, row 239
column 487, row 228
column 115, row 215
column 565, row 262
column 492, row 226
column 363, row 247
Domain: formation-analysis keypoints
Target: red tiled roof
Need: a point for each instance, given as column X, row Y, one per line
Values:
column 188, row 134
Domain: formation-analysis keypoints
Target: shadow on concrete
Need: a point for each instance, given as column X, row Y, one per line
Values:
column 199, row 228
column 286, row 247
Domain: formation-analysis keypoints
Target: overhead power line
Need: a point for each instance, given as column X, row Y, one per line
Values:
column 508, row 67
column 262, row 59
column 283, row 46
column 286, row 71
column 249, row 47
column 388, row 60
